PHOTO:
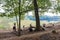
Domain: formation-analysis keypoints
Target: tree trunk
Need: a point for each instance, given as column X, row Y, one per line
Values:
column 36, row 16
column 15, row 13
column 19, row 20
column 16, row 19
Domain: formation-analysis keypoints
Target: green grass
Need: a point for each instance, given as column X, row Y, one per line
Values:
column 2, row 27
column 6, row 24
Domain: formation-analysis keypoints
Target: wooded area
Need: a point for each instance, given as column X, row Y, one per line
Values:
column 18, row 8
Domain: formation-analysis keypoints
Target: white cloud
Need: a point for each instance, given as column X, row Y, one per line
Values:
column 30, row 13
column 51, row 14
column 1, row 10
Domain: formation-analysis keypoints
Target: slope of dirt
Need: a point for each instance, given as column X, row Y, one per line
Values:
column 46, row 35
column 50, row 36
column 42, row 35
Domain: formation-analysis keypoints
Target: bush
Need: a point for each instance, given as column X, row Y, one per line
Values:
column 54, row 31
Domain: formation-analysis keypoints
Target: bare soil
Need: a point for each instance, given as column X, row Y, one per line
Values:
column 41, row 35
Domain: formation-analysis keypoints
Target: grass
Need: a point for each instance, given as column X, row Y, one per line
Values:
column 5, row 24
column 2, row 27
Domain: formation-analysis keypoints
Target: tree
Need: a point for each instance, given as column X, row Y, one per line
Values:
column 42, row 6
column 36, row 15
column 58, row 6
column 23, row 8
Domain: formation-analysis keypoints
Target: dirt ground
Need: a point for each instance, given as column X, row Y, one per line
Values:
column 41, row 35
column 46, row 35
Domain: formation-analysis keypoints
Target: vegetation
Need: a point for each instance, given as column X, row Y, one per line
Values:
column 21, row 7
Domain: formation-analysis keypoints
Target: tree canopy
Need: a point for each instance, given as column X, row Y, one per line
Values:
column 11, row 6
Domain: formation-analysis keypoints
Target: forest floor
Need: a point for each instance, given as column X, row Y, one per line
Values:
column 41, row 35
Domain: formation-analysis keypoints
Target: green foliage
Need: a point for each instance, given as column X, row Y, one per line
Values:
column 12, row 6
column 43, row 4
column 58, row 8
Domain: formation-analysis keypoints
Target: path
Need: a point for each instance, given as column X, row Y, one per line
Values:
column 29, row 35
column 8, row 34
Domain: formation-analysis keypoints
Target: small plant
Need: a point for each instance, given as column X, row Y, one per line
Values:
column 54, row 31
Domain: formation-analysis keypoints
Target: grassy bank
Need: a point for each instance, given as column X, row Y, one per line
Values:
column 6, row 23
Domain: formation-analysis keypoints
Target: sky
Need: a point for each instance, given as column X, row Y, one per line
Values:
column 1, row 9
column 46, row 13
